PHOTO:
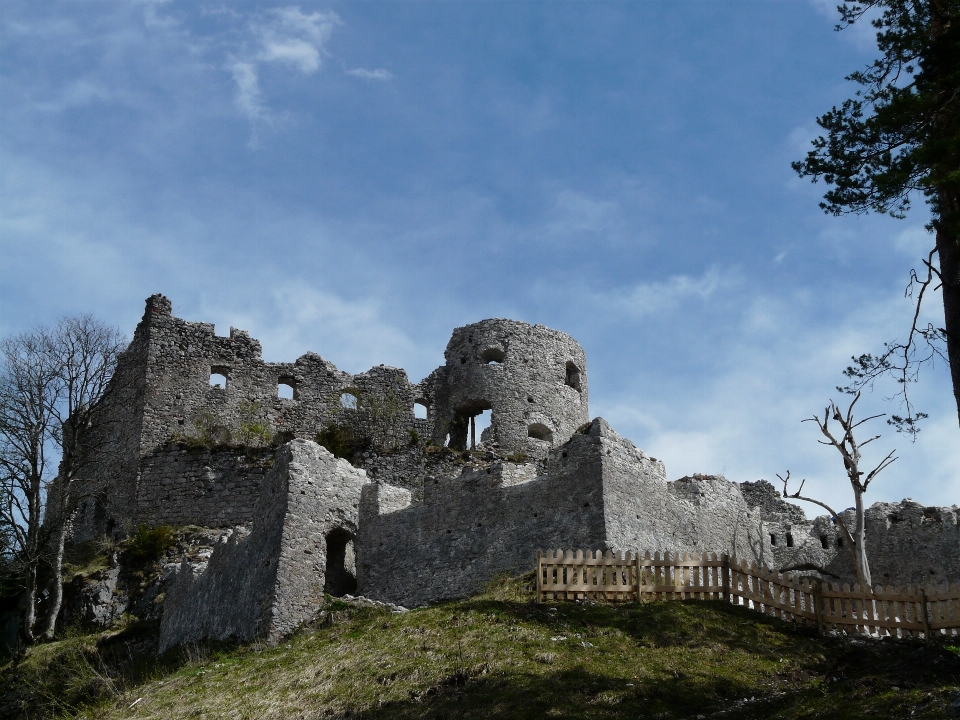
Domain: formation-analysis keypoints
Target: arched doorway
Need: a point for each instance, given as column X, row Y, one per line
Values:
column 340, row 576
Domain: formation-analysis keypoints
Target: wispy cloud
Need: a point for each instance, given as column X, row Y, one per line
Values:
column 381, row 74
column 284, row 36
column 657, row 297
column 291, row 37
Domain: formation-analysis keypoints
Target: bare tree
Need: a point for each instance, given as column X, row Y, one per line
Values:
column 52, row 382
column 850, row 451
column 28, row 390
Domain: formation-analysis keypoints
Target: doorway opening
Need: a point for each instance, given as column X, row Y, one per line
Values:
column 340, row 576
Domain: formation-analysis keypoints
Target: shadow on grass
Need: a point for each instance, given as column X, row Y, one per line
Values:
column 569, row 694
column 659, row 623
column 82, row 671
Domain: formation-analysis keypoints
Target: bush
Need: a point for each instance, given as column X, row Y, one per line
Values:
column 149, row 544
column 338, row 440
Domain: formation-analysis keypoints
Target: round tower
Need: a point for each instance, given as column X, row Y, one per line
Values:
column 532, row 379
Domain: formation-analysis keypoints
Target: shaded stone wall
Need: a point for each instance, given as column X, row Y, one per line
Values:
column 265, row 583
column 200, row 487
column 104, row 493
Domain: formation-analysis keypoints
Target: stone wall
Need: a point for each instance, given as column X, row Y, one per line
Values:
column 595, row 492
column 645, row 512
column 265, row 583
column 907, row 543
column 162, row 391
column 181, row 486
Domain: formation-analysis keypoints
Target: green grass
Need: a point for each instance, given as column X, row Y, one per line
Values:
column 500, row 655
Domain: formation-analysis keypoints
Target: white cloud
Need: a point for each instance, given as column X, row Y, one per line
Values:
column 291, row 37
column 743, row 416
column 381, row 74
column 248, row 89
column 286, row 36
column 800, row 138
column 862, row 34
column 296, row 317
column 659, row 297
column 915, row 241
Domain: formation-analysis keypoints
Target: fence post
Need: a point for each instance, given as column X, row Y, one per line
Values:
column 818, row 604
column 539, row 576
column 726, row 577
column 926, row 617
column 639, row 581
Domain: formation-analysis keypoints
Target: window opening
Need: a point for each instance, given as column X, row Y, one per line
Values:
column 492, row 356
column 348, row 400
column 421, row 410
column 340, row 576
column 773, row 539
column 286, row 389
column 839, row 542
column 539, row 431
column 463, row 427
column 218, row 377
column 789, row 540
column 824, row 542
column 573, row 376
column 481, row 431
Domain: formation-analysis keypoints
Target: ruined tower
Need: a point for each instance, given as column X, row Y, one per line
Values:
column 532, row 379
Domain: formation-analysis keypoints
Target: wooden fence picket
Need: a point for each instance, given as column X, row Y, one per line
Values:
column 664, row 575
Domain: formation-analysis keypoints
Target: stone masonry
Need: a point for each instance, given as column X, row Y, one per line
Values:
column 266, row 582
column 597, row 491
column 424, row 510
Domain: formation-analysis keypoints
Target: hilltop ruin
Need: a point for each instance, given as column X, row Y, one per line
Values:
column 197, row 431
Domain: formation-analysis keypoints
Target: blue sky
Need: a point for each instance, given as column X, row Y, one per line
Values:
column 359, row 178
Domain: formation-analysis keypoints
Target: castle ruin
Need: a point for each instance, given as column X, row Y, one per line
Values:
column 195, row 430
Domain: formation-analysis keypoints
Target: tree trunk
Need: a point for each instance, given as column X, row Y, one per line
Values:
column 860, row 544
column 948, row 248
column 62, row 523
column 32, row 552
column 30, row 604
column 56, row 578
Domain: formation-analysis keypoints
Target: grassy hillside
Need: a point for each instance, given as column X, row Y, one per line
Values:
column 496, row 655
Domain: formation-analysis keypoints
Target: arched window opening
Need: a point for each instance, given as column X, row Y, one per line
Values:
column 539, row 431
column 287, row 388
column 340, row 574
column 421, row 410
column 824, row 542
column 573, row 376
column 218, row 377
column 348, row 400
column 773, row 539
column 492, row 356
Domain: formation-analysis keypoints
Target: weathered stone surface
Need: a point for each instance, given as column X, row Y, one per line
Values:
column 597, row 492
column 265, row 582
column 907, row 543
column 532, row 379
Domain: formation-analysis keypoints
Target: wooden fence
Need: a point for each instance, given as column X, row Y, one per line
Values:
column 909, row 612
